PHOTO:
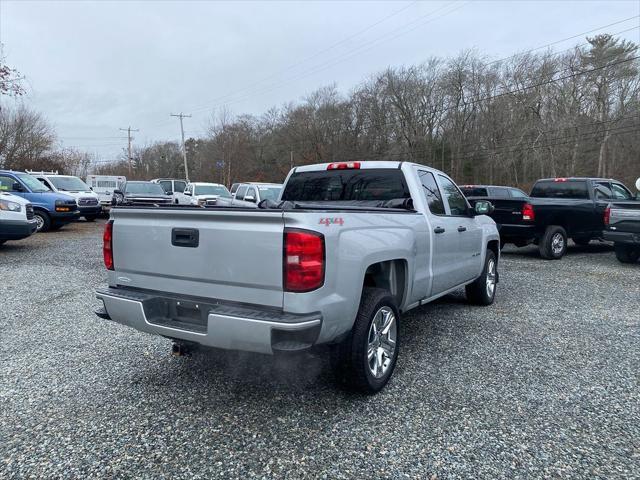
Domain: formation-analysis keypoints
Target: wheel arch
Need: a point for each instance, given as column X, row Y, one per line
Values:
column 392, row 275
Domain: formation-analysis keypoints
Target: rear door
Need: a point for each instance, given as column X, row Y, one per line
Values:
column 446, row 241
column 233, row 255
column 469, row 259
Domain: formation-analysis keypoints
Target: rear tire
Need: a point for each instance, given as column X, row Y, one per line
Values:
column 626, row 253
column 553, row 244
column 483, row 290
column 43, row 221
column 365, row 360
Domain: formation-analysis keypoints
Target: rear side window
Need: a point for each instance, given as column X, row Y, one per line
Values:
column 431, row 192
column 562, row 189
column 498, row 193
column 516, row 193
column 179, row 186
column 378, row 184
column 240, row 193
column 474, row 191
column 166, row 186
column 602, row 190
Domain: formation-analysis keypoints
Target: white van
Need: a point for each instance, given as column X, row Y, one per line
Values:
column 104, row 186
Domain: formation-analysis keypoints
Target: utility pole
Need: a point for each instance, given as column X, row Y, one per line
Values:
column 184, row 150
column 129, row 130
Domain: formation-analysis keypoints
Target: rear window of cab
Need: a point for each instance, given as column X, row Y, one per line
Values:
column 380, row 184
column 561, row 189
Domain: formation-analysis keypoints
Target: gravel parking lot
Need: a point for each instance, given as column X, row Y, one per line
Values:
column 544, row 383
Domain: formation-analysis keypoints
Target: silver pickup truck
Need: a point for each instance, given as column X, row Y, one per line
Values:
column 348, row 248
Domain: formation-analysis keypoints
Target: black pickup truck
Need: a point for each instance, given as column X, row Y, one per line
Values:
column 557, row 209
column 622, row 222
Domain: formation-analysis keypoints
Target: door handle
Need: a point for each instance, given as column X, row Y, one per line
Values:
column 438, row 230
column 462, row 229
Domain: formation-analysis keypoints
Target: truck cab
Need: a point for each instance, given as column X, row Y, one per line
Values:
column 88, row 201
column 52, row 210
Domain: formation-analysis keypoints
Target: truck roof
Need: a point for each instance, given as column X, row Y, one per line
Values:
column 365, row 164
column 572, row 179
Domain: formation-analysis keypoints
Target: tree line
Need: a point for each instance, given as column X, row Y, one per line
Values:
column 511, row 121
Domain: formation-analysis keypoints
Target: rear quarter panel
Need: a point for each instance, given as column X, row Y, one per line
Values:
column 353, row 242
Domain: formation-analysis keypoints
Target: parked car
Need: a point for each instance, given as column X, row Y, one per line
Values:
column 491, row 191
column 349, row 248
column 556, row 210
column 622, row 222
column 206, row 194
column 104, row 186
column 251, row 194
column 141, row 193
column 174, row 187
column 16, row 218
column 51, row 210
column 87, row 200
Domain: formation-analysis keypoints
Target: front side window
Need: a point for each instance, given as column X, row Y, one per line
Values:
column 620, row 192
column 6, row 184
column 179, row 186
column 431, row 192
column 457, row 202
column 251, row 192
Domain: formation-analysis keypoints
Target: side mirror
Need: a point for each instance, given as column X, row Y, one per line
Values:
column 638, row 185
column 16, row 187
column 250, row 198
column 168, row 193
column 483, row 207
column 188, row 193
column 117, row 192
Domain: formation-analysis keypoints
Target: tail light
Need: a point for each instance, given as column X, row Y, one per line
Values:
column 303, row 262
column 344, row 166
column 528, row 212
column 107, row 245
column 607, row 216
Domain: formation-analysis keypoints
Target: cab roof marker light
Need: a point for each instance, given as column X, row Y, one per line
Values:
column 343, row 166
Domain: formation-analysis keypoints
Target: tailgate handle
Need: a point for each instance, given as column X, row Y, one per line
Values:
column 185, row 237
column 438, row 230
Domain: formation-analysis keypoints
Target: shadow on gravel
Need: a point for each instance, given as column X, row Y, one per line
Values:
column 531, row 251
column 212, row 372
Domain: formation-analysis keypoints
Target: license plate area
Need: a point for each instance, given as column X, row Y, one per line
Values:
column 180, row 314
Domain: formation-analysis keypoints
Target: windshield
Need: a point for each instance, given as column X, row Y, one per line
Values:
column 69, row 184
column 380, row 184
column 144, row 188
column 269, row 193
column 32, row 182
column 212, row 190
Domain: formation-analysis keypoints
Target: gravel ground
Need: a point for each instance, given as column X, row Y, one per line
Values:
column 544, row 383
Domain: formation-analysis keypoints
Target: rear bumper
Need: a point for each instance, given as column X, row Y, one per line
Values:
column 210, row 322
column 17, row 229
column 622, row 237
column 510, row 232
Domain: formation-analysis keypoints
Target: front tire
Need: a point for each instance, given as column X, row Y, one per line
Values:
column 626, row 253
column 43, row 221
column 553, row 244
column 368, row 356
column 483, row 290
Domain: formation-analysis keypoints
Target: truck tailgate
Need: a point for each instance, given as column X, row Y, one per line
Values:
column 233, row 254
column 625, row 217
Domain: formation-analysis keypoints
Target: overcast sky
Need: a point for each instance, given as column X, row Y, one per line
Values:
column 95, row 67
